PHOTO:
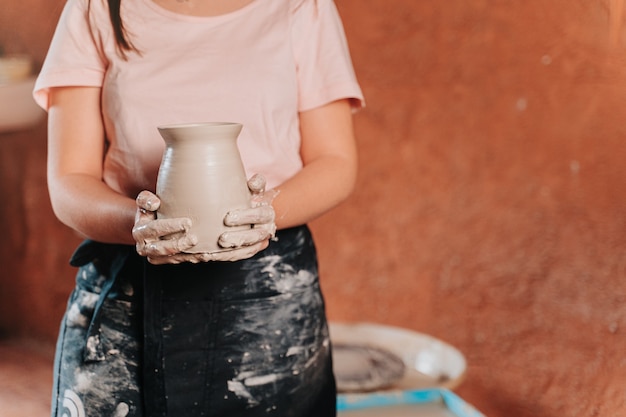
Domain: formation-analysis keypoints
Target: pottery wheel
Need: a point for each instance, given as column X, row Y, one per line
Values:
column 361, row 367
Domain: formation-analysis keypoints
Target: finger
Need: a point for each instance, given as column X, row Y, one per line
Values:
column 148, row 201
column 155, row 230
column 167, row 247
column 270, row 229
column 256, row 184
column 254, row 215
column 236, row 239
column 173, row 259
column 240, row 253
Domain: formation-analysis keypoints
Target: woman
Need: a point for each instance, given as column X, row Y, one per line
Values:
column 150, row 330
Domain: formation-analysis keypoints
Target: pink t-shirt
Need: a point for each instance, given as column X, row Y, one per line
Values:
column 258, row 66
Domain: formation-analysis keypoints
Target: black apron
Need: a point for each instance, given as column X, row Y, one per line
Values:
column 246, row 338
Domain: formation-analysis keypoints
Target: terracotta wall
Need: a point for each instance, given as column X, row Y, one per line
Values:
column 490, row 210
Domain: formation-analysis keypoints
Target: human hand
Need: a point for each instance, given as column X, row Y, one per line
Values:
column 260, row 216
column 161, row 241
column 164, row 241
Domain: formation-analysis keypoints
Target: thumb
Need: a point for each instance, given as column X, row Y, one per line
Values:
column 148, row 201
column 256, row 184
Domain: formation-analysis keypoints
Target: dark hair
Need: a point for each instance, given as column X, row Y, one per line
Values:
column 121, row 37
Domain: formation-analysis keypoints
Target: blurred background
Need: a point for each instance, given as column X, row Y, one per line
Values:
column 490, row 210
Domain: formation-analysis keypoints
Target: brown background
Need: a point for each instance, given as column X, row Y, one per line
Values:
column 490, row 209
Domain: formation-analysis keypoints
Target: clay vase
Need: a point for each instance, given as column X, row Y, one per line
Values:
column 202, row 177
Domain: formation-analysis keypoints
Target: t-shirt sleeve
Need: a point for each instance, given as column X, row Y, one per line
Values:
column 73, row 58
column 324, row 65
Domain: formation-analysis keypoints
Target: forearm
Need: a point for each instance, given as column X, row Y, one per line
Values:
column 316, row 189
column 329, row 155
column 94, row 210
column 75, row 153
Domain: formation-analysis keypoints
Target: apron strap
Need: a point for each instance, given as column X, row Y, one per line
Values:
column 114, row 257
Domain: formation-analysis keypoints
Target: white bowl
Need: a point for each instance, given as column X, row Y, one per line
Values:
column 429, row 362
column 18, row 109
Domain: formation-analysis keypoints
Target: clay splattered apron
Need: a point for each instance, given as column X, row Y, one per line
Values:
column 245, row 338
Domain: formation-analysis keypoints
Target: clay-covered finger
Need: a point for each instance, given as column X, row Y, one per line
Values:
column 254, row 215
column 160, row 229
column 169, row 247
column 256, row 184
column 172, row 259
column 240, row 238
column 243, row 252
column 147, row 200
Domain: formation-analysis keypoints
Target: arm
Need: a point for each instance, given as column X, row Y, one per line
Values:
column 79, row 197
column 329, row 156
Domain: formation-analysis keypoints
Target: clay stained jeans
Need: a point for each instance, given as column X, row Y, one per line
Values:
column 246, row 338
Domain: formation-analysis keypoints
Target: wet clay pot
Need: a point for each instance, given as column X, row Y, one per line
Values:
column 202, row 177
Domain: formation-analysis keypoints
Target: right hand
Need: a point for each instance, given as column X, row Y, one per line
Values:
column 160, row 240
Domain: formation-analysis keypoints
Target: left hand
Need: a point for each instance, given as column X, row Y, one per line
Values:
column 260, row 216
